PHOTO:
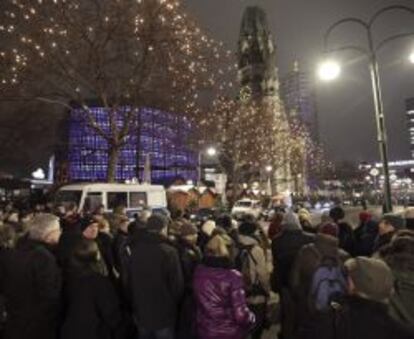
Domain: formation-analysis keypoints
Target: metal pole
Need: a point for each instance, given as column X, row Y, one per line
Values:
column 380, row 120
column 199, row 170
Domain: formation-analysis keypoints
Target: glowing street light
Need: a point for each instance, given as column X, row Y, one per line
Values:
column 329, row 70
column 211, row 151
column 269, row 168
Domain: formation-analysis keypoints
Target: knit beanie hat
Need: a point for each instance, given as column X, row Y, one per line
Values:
column 304, row 214
column 364, row 216
column 156, row 223
column 208, row 227
column 188, row 229
column 372, row 278
column 329, row 229
column 247, row 228
column 397, row 221
column 43, row 224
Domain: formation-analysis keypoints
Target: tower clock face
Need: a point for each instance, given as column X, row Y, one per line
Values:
column 245, row 93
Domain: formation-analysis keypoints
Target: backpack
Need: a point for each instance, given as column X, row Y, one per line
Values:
column 328, row 284
column 243, row 262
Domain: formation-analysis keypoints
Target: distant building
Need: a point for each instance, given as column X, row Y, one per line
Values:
column 298, row 95
column 83, row 155
column 410, row 123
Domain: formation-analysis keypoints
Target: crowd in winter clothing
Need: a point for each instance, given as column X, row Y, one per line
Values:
column 69, row 275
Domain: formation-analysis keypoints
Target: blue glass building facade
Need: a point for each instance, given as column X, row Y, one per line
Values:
column 164, row 136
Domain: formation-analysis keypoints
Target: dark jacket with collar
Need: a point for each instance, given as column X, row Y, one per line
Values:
column 32, row 288
column 155, row 281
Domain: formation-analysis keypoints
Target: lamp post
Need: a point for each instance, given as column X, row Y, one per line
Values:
column 211, row 152
column 330, row 70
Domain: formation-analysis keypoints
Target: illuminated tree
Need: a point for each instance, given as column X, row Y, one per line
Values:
column 123, row 54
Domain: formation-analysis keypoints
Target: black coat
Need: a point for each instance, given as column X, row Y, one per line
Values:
column 121, row 251
column 285, row 247
column 364, row 319
column 346, row 237
column 93, row 308
column 156, row 282
column 32, row 288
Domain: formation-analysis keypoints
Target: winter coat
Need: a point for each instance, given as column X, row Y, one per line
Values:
column 258, row 268
column 190, row 257
column 32, row 288
column 121, row 253
column 222, row 311
column 382, row 241
column 365, row 236
column 364, row 319
column 402, row 267
column 156, row 282
column 93, row 308
column 104, row 242
column 285, row 248
column 306, row 263
column 346, row 237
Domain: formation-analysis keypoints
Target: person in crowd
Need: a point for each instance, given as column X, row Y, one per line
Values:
column 121, row 251
column 156, row 281
column 285, row 248
column 251, row 262
column 206, row 232
column 221, row 307
column 275, row 226
column 310, row 292
column 388, row 226
column 329, row 228
column 305, row 221
column 365, row 235
column 93, row 308
column 226, row 222
column 346, row 234
column 364, row 313
column 409, row 218
column 399, row 255
column 31, row 282
column 190, row 257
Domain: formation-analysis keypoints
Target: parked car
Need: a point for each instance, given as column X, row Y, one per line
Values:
column 246, row 207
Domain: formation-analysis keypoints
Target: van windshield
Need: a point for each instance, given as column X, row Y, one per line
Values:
column 66, row 197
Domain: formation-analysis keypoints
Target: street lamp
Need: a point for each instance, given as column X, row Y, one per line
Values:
column 211, row 151
column 330, row 70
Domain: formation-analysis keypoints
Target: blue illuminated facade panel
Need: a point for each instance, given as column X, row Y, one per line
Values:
column 161, row 135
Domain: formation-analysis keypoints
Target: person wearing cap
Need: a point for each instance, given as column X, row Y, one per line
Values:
column 32, row 282
column 156, row 281
column 364, row 313
column 388, row 226
column 285, row 248
column 190, row 256
column 258, row 293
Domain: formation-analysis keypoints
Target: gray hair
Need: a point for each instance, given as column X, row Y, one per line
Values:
column 42, row 225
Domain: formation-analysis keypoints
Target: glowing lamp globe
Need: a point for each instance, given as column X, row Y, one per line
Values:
column 211, row 152
column 329, row 70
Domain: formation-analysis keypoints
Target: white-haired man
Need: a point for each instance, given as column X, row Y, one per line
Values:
column 32, row 282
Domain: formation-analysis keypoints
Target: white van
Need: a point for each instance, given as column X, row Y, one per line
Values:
column 246, row 207
column 89, row 196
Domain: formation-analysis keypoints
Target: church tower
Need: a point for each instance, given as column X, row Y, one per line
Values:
column 259, row 83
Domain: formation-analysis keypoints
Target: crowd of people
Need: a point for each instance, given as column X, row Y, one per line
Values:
column 72, row 276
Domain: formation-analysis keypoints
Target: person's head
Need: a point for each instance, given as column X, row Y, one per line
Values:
column 248, row 228
column 304, row 215
column 90, row 228
column 144, row 215
column 218, row 246
column 208, row 227
column 329, row 228
column 189, row 233
column 45, row 228
column 325, row 218
column 369, row 278
column 225, row 221
column 337, row 213
column 364, row 217
column 100, row 210
column 157, row 223
column 291, row 221
column 86, row 251
column 123, row 224
column 104, row 225
column 120, row 209
column 71, row 208
column 390, row 223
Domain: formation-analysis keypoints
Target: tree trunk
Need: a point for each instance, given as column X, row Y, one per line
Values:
column 113, row 155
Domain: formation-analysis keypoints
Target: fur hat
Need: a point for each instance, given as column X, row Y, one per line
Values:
column 43, row 224
column 208, row 227
column 395, row 220
column 372, row 278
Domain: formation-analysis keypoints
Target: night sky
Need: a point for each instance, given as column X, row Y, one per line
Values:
column 345, row 106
